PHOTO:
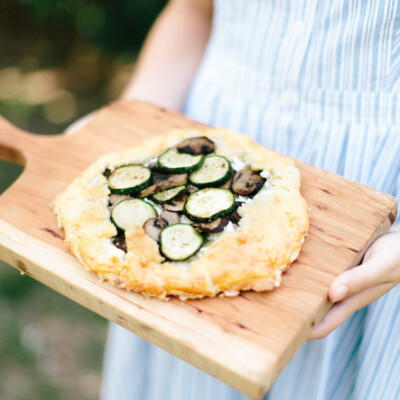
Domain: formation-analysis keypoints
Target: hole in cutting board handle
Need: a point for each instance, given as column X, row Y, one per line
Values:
column 12, row 159
column 12, row 155
column 9, row 173
column 10, row 142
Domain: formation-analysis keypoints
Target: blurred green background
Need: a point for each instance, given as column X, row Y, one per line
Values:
column 59, row 60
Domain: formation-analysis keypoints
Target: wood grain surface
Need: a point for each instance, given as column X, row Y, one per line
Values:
column 244, row 341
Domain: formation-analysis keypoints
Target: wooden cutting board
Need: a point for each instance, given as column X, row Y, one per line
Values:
column 244, row 341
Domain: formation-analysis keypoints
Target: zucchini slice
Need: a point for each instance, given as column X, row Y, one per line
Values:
column 178, row 242
column 132, row 212
column 206, row 205
column 173, row 162
column 167, row 195
column 215, row 171
column 129, row 179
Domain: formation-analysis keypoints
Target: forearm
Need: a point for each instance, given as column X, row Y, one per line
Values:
column 171, row 54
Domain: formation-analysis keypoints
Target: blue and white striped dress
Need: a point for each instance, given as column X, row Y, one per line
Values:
column 318, row 80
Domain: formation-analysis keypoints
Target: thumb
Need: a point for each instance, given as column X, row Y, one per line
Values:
column 79, row 124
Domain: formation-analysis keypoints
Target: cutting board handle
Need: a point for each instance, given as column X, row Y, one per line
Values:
column 14, row 142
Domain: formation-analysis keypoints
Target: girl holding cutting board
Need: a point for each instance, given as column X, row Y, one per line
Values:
column 318, row 81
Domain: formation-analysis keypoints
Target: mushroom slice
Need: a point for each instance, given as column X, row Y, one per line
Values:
column 153, row 228
column 211, row 227
column 234, row 216
column 115, row 199
column 197, row 145
column 176, row 204
column 247, row 182
column 162, row 182
column 168, row 218
column 107, row 172
column 119, row 242
column 159, row 176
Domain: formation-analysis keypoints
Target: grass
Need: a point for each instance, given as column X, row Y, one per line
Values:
column 51, row 348
column 58, row 61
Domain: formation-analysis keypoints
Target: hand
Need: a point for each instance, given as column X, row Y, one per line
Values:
column 361, row 285
column 80, row 123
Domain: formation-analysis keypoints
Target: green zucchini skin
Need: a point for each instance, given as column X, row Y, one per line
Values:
column 184, row 232
column 143, row 211
column 193, row 162
column 211, row 175
column 147, row 178
column 228, row 207
column 163, row 197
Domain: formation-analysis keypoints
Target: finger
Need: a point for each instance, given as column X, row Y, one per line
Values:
column 79, row 124
column 343, row 309
column 356, row 280
column 74, row 127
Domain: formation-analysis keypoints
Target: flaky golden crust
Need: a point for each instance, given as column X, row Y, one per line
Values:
column 270, row 233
